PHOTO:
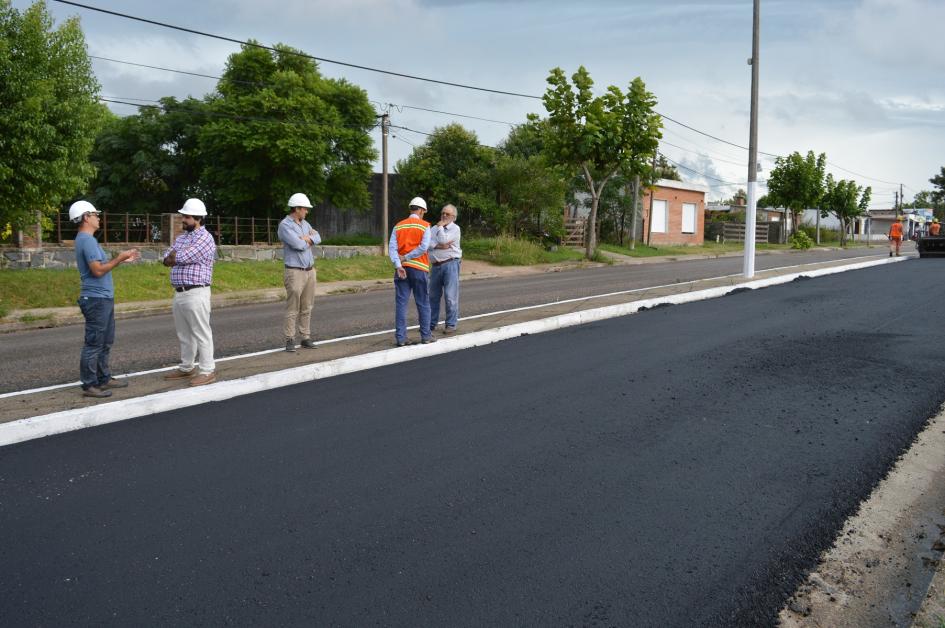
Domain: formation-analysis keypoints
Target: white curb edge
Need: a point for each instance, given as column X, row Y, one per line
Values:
column 66, row 421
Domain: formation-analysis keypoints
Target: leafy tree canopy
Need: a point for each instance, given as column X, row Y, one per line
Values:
column 49, row 113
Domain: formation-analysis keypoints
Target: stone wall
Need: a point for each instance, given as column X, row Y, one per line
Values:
column 64, row 256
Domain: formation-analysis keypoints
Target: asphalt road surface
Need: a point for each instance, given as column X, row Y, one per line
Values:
column 151, row 342
column 682, row 466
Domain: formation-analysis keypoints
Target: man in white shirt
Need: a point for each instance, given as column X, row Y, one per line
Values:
column 445, row 259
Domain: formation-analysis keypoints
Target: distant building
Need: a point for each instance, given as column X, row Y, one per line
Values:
column 678, row 213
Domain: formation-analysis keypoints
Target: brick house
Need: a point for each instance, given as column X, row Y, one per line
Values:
column 678, row 212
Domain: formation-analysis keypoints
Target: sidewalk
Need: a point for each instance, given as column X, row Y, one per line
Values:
column 60, row 399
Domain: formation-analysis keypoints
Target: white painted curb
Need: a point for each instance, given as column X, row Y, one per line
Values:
column 69, row 420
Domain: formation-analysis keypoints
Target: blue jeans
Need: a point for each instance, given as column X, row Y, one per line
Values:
column 444, row 281
column 99, row 316
column 416, row 282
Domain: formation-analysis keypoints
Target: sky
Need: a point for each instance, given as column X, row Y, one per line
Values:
column 861, row 80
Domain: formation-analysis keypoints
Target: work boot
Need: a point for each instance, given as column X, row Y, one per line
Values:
column 179, row 374
column 405, row 343
column 427, row 341
column 449, row 331
column 96, row 392
column 115, row 383
column 290, row 346
column 308, row 343
column 203, row 379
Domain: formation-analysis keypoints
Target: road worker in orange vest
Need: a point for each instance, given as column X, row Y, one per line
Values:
column 409, row 242
column 935, row 228
column 895, row 236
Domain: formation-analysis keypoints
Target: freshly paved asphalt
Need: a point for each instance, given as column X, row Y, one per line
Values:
column 682, row 466
column 151, row 342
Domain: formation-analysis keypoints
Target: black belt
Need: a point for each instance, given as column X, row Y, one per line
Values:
column 452, row 259
column 186, row 288
column 300, row 268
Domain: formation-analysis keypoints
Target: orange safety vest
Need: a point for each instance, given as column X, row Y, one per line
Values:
column 409, row 233
column 934, row 228
column 895, row 230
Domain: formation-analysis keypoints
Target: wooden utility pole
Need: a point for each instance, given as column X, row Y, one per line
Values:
column 385, row 126
column 636, row 209
column 649, row 222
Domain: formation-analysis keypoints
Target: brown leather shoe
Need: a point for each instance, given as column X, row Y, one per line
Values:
column 179, row 374
column 96, row 392
column 115, row 383
column 202, row 379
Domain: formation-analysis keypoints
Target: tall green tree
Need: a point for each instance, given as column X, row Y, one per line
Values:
column 797, row 182
column 449, row 167
column 49, row 113
column 277, row 126
column 601, row 136
column 845, row 200
column 149, row 162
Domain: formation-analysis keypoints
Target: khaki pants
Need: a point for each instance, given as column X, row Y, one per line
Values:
column 192, row 321
column 300, row 298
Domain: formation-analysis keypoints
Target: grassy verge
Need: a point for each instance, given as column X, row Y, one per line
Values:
column 507, row 251
column 44, row 287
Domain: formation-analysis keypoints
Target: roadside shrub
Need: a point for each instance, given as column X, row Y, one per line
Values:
column 801, row 240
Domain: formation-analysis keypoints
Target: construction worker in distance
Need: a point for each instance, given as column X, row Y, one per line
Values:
column 96, row 301
column 408, row 246
column 895, row 236
column 934, row 228
column 298, row 240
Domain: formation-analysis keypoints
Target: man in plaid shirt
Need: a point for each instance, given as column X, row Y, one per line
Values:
column 191, row 262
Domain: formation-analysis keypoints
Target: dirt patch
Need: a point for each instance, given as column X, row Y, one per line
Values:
column 882, row 563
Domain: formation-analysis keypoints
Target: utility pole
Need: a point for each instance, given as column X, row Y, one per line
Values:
column 636, row 210
column 749, row 265
column 649, row 222
column 385, row 126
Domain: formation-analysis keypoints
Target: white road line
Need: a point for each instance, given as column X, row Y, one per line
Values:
column 101, row 414
column 243, row 356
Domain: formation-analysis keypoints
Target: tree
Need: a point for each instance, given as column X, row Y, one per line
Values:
column 797, row 183
column 49, row 113
column 601, row 136
column 148, row 163
column 939, row 182
column 925, row 199
column 277, row 126
column 845, row 200
column 448, row 168
column 666, row 170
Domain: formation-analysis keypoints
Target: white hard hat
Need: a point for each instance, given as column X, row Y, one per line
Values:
column 299, row 200
column 81, row 208
column 418, row 202
column 193, row 207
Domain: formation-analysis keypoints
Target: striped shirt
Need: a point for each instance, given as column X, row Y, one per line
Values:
column 196, row 252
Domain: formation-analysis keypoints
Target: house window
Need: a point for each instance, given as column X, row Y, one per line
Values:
column 659, row 217
column 688, row 217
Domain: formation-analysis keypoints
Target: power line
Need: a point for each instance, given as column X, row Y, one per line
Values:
column 399, row 106
column 294, row 52
column 702, row 174
column 216, row 114
column 403, row 75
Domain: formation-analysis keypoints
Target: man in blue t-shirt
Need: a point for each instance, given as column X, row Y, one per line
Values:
column 97, row 301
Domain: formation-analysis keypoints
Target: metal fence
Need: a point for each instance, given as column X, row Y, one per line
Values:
column 152, row 228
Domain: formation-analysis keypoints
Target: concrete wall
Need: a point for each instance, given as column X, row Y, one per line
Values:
column 64, row 256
